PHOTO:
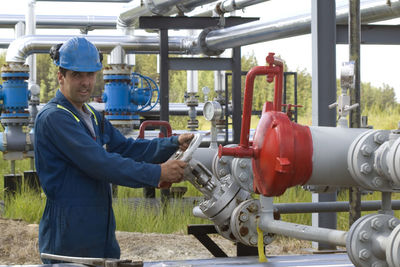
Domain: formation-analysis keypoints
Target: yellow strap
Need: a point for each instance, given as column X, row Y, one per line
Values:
column 260, row 245
column 91, row 110
column 61, row 107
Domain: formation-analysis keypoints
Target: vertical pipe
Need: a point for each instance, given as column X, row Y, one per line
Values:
column 323, row 35
column 355, row 118
column 31, row 30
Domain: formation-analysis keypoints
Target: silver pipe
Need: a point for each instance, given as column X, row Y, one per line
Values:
column 21, row 48
column 332, row 206
column 31, row 30
column 62, row 21
column 103, row 1
column 130, row 17
column 304, row 232
column 227, row 6
column 262, row 31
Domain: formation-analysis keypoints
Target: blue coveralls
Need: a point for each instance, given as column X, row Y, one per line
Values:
column 75, row 171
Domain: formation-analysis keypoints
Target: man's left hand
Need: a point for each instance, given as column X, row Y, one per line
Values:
column 184, row 140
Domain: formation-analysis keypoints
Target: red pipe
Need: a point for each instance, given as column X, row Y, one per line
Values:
column 274, row 68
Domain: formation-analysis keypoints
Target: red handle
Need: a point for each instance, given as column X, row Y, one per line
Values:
column 154, row 123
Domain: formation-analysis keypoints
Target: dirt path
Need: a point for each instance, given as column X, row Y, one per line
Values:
column 19, row 241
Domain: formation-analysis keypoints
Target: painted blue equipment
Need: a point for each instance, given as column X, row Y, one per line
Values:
column 77, row 54
column 126, row 95
column 14, row 94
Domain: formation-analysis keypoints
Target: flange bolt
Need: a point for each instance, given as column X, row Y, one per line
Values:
column 366, row 150
column 364, row 236
column 364, row 254
column 376, row 224
column 366, row 168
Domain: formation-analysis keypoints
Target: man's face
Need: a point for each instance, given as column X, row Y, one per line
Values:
column 76, row 86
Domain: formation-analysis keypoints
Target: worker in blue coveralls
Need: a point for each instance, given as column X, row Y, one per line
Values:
column 74, row 167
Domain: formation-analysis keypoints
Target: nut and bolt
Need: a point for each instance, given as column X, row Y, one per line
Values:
column 243, row 217
column 377, row 182
column 222, row 172
column 243, row 163
column 366, row 150
column 364, row 254
column 366, row 168
column 252, row 207
column 379, row 138
column 364, row 236
column 392, row 223
column 268, row 238
column 376, row 224
column 253, row 240
column 243, row 231
column 243, row 177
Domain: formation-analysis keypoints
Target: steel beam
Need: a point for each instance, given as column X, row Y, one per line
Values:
column 371, row 34
column 200, row 63
column 160, row 22
column 323, row 25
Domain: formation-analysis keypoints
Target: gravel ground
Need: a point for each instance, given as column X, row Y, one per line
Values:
column 19, row 242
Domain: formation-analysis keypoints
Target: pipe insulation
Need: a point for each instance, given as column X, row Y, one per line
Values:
column 130, row 17
column 22, row 47
column 62, row 21
column 262, row 31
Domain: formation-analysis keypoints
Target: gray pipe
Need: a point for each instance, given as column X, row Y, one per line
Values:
column 21, row 48
column 130, row 17
column 304, row 232
column 227, row 6
column 103, row 1
column 262, row 31
column 62, row 21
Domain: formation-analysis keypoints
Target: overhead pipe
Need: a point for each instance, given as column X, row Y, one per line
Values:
column 130, row 17
column 21, row 48
column 102, row 1
column 227, row 6
column 62, row 21
column 262, row 31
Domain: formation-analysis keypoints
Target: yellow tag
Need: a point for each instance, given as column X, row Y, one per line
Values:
column 260, row 245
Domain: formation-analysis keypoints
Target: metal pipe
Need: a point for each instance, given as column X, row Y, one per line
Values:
column 227, row 6
column 261, row 31
column 130, row 17
column 304, row 232
column 21, row 48
column 104, row 1
column 332, row 206
column 62, row 21
column 31, row 30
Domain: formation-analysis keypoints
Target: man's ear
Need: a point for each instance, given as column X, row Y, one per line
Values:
column 60, row 78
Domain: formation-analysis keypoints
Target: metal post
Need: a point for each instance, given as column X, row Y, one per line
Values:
column 164, row 89
column 236, row 94
column 323, row 33
column 355, row 118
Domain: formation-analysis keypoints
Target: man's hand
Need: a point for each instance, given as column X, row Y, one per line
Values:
column 172, row 171
column 184, row 140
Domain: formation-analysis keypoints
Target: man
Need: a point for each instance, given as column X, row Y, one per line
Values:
column 74, row 168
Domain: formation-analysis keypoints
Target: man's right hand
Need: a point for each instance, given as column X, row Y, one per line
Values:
column 172, row 171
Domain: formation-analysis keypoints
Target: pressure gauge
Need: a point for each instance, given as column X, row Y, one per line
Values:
column 212, row 110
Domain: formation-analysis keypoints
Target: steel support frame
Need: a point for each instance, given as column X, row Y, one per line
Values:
column 323, row 35
column 166, row 63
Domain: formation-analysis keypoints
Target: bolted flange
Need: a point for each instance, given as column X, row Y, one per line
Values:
column 367, row 239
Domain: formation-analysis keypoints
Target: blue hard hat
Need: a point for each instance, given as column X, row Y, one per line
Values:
column 78, row 54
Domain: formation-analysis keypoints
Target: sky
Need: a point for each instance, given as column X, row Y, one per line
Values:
column 379, row 63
